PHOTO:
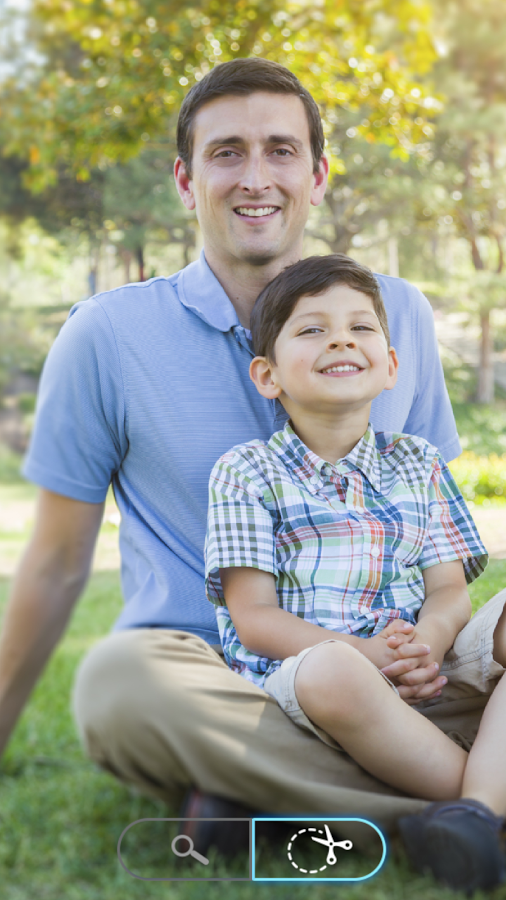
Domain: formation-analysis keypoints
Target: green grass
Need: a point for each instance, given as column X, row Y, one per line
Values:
column 60, row 818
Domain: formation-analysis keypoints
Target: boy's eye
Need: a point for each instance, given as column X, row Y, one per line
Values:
column 312, row 330
column 363, row 328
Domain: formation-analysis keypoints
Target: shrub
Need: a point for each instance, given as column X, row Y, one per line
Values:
column 482, row 479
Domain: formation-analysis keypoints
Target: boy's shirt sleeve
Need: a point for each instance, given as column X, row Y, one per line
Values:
column 451, row 532
column 239, row 526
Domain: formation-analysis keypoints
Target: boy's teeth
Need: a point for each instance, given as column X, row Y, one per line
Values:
column 343, row 369
column 264, row 211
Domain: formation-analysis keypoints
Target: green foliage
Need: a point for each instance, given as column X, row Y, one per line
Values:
column 10, row 464
column 117, row 71
column 482, row 429
column 21, row 345
column 480, row 478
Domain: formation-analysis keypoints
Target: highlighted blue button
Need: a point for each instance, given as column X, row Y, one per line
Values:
column 316, row 849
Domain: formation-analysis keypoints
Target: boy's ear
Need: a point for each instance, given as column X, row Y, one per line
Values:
column 261, row 374
column 393, row 368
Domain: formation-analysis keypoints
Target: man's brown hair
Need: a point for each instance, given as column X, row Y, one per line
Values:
column 242, row 77
column 308, row 277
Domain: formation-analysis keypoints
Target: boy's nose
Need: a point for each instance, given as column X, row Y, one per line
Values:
column 341, row 340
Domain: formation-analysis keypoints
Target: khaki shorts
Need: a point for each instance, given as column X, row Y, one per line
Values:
column 469, row 666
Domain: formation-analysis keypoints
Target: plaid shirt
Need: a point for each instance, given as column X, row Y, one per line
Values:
column 347, row 543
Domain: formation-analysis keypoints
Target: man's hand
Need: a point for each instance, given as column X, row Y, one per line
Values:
column 50, row 577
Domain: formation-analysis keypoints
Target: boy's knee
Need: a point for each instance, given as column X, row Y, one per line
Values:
column 333, row 676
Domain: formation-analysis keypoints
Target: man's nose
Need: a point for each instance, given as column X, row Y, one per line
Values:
column 255, row 176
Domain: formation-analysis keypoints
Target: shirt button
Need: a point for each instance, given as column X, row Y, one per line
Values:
column 375, row 552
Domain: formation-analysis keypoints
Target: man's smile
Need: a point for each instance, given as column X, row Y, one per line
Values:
column 256, row 212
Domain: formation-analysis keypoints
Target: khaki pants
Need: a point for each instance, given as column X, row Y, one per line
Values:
column 161, row 711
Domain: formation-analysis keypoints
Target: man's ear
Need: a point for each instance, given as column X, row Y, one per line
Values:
column 261, row 373
column 393, row 368
column 321, row 178
column 184, row 184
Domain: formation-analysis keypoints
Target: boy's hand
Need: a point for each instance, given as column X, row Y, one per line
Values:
column 416, row 676
column 395, row 646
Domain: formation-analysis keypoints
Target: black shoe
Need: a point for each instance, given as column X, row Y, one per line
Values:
column 458, row 842
column 229, row 838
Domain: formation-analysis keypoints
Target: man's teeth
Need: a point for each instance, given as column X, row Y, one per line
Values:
column 264, row 211
column 343, row 369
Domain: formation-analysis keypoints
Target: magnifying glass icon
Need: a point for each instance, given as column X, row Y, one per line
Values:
column 190, row 851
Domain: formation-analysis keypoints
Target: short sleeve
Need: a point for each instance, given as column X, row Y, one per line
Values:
column 240, row 529
column 431, row 415
column 79, row 438
column 451, row 532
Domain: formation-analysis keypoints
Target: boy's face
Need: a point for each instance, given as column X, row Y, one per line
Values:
column 331, row 354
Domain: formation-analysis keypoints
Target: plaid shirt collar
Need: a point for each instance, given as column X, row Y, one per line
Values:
column 315, row 472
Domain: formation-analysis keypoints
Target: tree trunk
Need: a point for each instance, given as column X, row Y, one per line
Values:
column 126, row 256
column 486, row 372
column 393, row 257
column 94, row 260
column 140, row 260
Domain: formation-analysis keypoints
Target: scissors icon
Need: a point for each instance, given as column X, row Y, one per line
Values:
column 190, row 851
column 331, row 843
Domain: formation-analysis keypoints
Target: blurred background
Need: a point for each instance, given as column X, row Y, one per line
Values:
column 413, row 97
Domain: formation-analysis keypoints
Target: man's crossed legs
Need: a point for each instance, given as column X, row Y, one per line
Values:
column 161, row 711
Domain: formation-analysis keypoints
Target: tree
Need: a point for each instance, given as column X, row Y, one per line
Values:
column 116, row 70
column 468, row 169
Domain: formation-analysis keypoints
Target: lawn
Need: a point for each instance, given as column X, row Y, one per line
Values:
column 60, row 818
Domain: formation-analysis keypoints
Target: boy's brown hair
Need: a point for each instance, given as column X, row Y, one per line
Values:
column 308, row 277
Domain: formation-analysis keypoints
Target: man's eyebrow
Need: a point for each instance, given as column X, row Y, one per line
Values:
column 285, row 139
column 218, row 142
column 236, row 139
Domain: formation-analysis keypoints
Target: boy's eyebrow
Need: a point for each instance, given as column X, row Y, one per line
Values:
column 355, row 312
column 236, row 140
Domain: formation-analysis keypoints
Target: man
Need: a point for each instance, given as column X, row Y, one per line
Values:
column 147, row 386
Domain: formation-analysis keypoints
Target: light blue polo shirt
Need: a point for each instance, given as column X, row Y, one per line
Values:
column 147, row 386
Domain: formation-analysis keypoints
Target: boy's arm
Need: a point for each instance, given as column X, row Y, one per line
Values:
column 267, row 630
column 445, row 612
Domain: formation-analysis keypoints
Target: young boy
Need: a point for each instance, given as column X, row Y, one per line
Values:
column 337, row 560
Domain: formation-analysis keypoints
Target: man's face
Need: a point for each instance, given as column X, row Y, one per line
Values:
column 253, row 180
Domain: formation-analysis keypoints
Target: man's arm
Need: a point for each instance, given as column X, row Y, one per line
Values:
column 50, row 577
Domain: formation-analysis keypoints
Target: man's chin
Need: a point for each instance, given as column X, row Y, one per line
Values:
column 260, row 255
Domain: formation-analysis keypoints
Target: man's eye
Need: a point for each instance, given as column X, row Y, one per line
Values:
column 225, row 154
column 282, row 151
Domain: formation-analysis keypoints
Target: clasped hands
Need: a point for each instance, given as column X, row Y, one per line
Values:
column 403, row 653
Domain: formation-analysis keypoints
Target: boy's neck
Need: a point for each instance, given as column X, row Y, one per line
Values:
column 333, row 436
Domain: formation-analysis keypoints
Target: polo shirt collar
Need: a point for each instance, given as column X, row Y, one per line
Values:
column 201, row 292
column 311, row 468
